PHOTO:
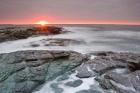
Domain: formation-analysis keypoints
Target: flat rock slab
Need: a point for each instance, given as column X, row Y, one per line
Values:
column 24, row 71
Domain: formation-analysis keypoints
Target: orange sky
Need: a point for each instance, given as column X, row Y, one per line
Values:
column 33, row 21
column 53, row 20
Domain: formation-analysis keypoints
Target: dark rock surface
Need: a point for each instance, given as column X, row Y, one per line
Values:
column 10, row 34
column 75, row 83
column 119, row 72
column 24, row 71
column 88, row 91
column 56, row 88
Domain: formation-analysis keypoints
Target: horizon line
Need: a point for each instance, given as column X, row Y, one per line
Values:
column 69, row 24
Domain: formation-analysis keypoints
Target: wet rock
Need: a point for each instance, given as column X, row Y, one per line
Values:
column 19, row 33
column 64, row 77
column 49, row 30
column 24, row 71
column 102, row 53
column 89, row 91
column 75, row 83
column 125, row 82
column 120, row 83
column 35, row 45
column 83, row 72
column 24, row 87
column 104, row 83
column 109, row 61
column 113, row 71
column 56, row 88
column 134, row 66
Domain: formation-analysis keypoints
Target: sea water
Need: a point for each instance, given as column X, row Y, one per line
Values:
column 95, row 40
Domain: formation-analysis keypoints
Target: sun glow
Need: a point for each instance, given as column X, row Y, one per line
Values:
column 42, row 23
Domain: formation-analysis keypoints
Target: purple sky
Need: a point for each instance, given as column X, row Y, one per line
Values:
column 70, row 11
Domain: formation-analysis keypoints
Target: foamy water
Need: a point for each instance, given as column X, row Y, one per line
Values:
column 122, row 41
column 86, row 84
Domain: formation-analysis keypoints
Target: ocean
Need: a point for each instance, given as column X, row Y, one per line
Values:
column 117, row 38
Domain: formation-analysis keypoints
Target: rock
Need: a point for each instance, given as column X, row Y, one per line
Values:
column 50, row 30
column 56, row 88
column 89, row 91
column 19, row 33
column 121, row 83
column 64, row 77
column 35, row 45
column 134, row 66
column 125, row 82
column 119, row 72
column 102, row 53
column 109, row 61
column 24, row 71
column 83, row 72
column 75, row 83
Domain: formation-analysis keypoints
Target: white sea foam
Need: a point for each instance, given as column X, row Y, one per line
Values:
column 95, row 41
column 87, row 82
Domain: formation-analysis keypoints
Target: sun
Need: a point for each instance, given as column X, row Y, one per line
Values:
column 42, row 23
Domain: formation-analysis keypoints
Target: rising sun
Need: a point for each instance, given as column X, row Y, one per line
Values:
column 42, row 23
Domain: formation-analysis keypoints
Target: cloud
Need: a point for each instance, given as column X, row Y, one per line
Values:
column 65, row 10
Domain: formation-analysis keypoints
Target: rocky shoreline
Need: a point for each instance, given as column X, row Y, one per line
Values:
column 114, row 71
column 29, row 71
column 8, row 34
column 24, row 71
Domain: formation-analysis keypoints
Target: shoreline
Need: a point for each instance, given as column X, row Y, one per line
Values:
column 79, row 61
column 101, row 69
